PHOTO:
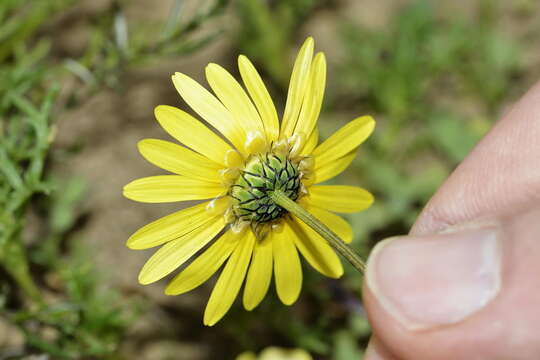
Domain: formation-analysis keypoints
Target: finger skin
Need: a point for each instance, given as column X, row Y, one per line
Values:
column 507, row 328
column 499, row 179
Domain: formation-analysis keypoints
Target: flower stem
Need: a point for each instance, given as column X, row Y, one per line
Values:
column 339, row 245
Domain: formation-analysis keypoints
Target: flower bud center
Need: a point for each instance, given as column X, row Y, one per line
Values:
column 262, row 175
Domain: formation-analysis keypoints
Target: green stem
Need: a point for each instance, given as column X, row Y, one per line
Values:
column 13, row 258
column 339, row 245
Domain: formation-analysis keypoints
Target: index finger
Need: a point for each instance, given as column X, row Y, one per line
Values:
column 500, row 176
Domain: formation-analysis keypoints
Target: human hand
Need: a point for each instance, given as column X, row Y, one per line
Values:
column 465, row 283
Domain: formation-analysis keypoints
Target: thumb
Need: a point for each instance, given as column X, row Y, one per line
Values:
column 470, row 292
column 464, row 284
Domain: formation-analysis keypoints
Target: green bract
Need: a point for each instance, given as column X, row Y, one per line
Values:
column 262, row 175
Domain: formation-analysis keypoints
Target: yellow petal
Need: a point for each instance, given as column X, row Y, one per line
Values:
column 316, row 250
column 204, row 266
column 345, row 140
column 331, row 169
column 297, row 87
column 230, row 280
column 233, row 96
column 173, row 254
column 210, row 109
column 179, row 160
column 191, row 132
column 260, row 96
column 171, row 188
column 259, row 275
column 339, row 198
column 175, row 225
column 311, row 142
column 287, row 268
column 335, row 222
column 311, row 106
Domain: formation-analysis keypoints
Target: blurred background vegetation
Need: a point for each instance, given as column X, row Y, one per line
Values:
column 78, row 84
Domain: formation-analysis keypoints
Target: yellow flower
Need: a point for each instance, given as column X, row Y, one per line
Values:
column 239, row 225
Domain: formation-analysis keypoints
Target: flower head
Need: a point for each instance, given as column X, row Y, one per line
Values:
column 239, row 225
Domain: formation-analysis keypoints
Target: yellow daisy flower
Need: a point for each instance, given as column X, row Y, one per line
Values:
column 240, row 225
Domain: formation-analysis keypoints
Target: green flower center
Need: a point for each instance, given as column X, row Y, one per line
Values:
column 262, row 175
